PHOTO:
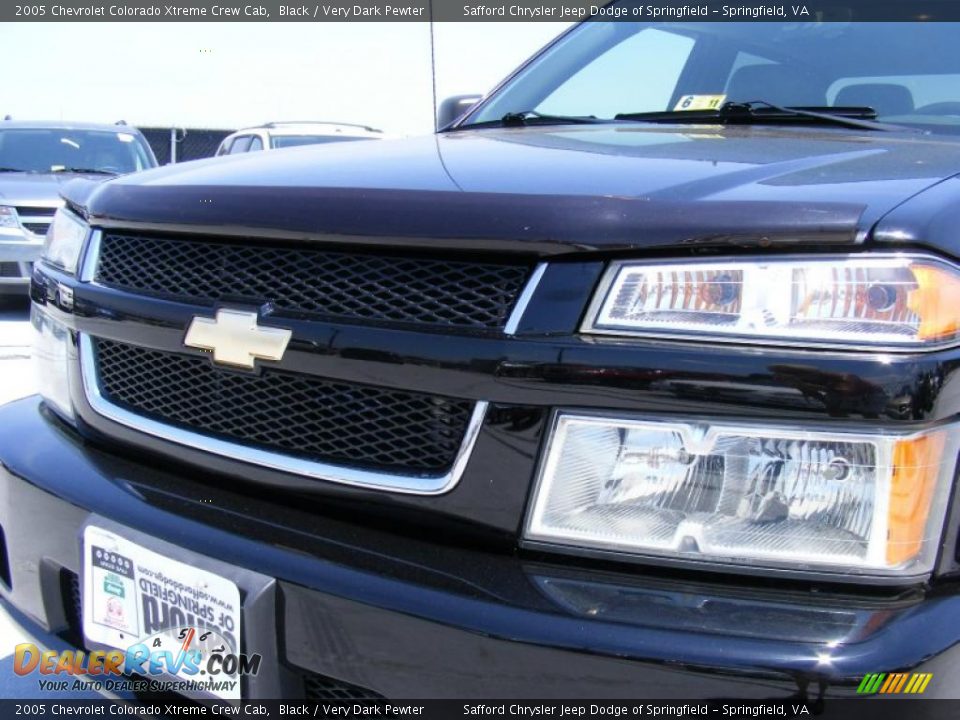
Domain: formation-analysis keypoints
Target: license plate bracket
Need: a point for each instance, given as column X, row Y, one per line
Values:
column 133, row 596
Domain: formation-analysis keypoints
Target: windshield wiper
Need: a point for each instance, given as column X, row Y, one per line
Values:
column 83, row 171
column 12, row 169
column 528, row 117
column 532, row 117
column 752, row 112
column 760, row 111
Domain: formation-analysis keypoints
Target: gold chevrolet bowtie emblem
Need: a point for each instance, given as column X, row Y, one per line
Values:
column 235, row 338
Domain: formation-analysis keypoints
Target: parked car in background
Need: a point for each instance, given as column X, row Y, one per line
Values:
column 276, row 135
column 36, row 158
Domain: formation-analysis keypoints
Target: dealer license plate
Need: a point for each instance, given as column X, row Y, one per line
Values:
column 175, row 616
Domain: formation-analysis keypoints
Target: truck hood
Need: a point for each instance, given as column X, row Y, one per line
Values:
column 557, row 189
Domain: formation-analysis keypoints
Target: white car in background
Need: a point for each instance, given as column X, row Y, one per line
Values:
column 275, row 135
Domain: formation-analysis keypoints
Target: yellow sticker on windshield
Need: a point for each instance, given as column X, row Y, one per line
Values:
column 700, row 102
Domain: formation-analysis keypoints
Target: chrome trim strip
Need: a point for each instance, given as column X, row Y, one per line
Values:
column 513, row 322
column 400, row 483
column 91, row 254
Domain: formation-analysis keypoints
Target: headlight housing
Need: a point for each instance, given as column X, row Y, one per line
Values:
column 65, row 240
column 890, row 301
column 833, row 501
column 8, row 217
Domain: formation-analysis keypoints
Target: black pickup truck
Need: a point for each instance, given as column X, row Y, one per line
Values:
column 626, row 383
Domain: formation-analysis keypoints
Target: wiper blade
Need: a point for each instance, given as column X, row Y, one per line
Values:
column 13, row 169
column 759, row 111
column 858, row 117
column 83, row 171
column 532, row 117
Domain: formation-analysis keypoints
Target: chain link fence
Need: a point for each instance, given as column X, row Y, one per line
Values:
column 182, row 144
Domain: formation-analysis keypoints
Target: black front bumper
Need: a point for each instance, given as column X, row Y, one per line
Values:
column 367, row 607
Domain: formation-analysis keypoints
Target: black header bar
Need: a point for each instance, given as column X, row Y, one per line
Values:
column 846, row 709
column 482, row 11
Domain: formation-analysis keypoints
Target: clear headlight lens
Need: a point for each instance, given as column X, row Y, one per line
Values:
column 51, row 361
column 896, row 301
column 828, row 501
column 65, row 240
column 8, row 217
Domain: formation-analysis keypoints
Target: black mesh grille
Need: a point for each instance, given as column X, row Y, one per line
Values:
column 9, row 269
column 298, row 415
column 316, row 282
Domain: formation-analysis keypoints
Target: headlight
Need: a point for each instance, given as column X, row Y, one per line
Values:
column 8, row 217
column 829, row 501
column 65, row 240
column 892, row 301
column 51, row 361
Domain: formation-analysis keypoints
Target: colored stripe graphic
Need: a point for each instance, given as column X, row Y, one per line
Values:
column 919, row 684
column 891, row 684
column 871, row 683
column 904, row 678
column 912, row 684
column 894, row 683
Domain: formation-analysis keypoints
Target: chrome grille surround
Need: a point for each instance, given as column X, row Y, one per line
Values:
column 406, row 482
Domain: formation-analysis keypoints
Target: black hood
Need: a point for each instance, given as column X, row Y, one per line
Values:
column 547, row 189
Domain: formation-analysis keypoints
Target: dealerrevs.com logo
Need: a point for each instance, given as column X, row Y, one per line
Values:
column 183, row 659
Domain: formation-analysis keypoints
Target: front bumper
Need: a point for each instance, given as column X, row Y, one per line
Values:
column 19, row 246
column 361, row 606
column 18, row 250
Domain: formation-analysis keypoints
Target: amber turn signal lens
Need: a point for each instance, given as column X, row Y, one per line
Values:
column 916, row 466
column 936, row 302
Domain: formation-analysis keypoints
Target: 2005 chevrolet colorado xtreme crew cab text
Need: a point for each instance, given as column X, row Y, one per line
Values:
column 628, row 382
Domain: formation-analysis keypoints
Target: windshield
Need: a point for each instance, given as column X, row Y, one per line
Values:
column 909, row 73
column 283, row 141
column 44, row 151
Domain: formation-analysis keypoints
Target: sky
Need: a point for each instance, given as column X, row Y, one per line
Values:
column 228, row 75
